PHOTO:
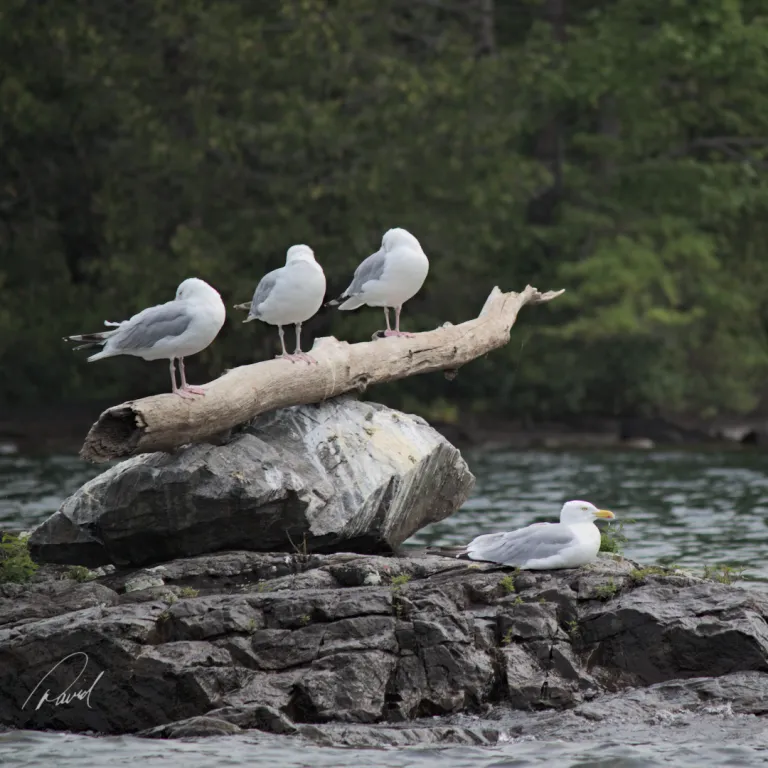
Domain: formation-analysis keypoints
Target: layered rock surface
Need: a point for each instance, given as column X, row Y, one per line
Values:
column 325, row 644
column 341, row 475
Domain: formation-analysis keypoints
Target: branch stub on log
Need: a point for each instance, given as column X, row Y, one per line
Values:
column 164, row 422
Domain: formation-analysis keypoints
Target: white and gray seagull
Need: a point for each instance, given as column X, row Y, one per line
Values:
column 388, row 278
column 572, row 542
column 289, row 296
column 173, row 331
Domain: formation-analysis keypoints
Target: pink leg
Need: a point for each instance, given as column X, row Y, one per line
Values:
column 174, row 388
column 284, row 354
column 190, row 388
column 397, row 331
column 298, row 354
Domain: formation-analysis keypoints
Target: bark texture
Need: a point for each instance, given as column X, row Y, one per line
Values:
column 164, row 422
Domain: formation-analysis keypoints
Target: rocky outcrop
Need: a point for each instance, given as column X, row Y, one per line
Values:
column 326, row 645
column 342, row 475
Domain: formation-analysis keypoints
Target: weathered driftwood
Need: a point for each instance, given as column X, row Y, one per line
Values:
column 164, row 422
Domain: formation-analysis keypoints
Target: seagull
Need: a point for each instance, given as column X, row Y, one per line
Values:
column 289, row 296
column 388, row 278
column 572, row 542
column 174, row 330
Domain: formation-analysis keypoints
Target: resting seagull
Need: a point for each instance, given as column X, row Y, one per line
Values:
column 174, row 330
column 289, row 296
column 389, row 277
column 572, row 542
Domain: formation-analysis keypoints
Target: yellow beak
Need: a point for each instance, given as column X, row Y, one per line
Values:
column 606, row 514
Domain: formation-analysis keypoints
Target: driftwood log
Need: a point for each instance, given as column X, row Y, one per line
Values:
column 164, row 422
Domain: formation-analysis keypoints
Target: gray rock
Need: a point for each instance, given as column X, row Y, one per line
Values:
column 261, row 716
column 341, row 475
column 744, row 693
column 192, row 727
column 675, row 712
column 355, row 663
column 19, row 605
column 143, row 581
column 660, row 631
column 382, row 736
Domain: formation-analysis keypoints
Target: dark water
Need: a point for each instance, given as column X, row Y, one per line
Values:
column 689, row 508
column 733, row 745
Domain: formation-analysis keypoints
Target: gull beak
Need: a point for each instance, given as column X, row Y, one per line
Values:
column 605, row 514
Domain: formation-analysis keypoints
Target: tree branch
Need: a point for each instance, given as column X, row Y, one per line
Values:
column 164, row 422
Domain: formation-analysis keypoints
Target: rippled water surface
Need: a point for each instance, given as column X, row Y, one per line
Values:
column 690, row 508
column 729, row 745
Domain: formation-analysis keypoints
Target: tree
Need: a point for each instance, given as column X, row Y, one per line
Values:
column 617, row 149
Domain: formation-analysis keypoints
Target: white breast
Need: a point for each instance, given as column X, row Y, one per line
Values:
column 297, row 295
column 403, row 276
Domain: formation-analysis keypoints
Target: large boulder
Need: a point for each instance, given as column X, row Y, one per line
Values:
column 300, row 643
column 339, row 475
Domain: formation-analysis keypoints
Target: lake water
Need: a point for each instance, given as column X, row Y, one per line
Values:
column 685, row 507
column 689, row 508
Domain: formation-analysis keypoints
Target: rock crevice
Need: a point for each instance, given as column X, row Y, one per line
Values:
column 282, row 641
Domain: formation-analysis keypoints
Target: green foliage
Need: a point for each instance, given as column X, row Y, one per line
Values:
column 188, row 592
column 507, row 583
column 396, row 585
column 625, row 161
column 607, row 590
column 400, row 581
column 724, row 574
column 80, row 573
column 638, row 575
column 15, row 563
column 613, row 538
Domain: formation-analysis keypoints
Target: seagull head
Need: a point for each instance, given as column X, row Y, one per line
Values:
column 299, row 253
column 194, row 288
column 583, row 512
column 398, row 238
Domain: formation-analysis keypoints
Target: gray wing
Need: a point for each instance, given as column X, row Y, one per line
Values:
column 370, row 269
column 516, row 547
column 263, row 289
column 146, row 329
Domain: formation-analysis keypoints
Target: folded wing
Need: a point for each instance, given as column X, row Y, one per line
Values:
column 515, row 548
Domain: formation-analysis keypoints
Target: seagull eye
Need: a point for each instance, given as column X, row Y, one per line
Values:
column 585, row 509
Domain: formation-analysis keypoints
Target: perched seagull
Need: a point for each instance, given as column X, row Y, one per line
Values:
column 174, row 330
column 388, row 278
column 289, row 296
column 572, row 542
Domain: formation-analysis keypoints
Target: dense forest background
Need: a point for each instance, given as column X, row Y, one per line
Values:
column 615, row 148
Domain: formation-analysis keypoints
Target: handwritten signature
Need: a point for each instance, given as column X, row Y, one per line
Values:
column 67, row 695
